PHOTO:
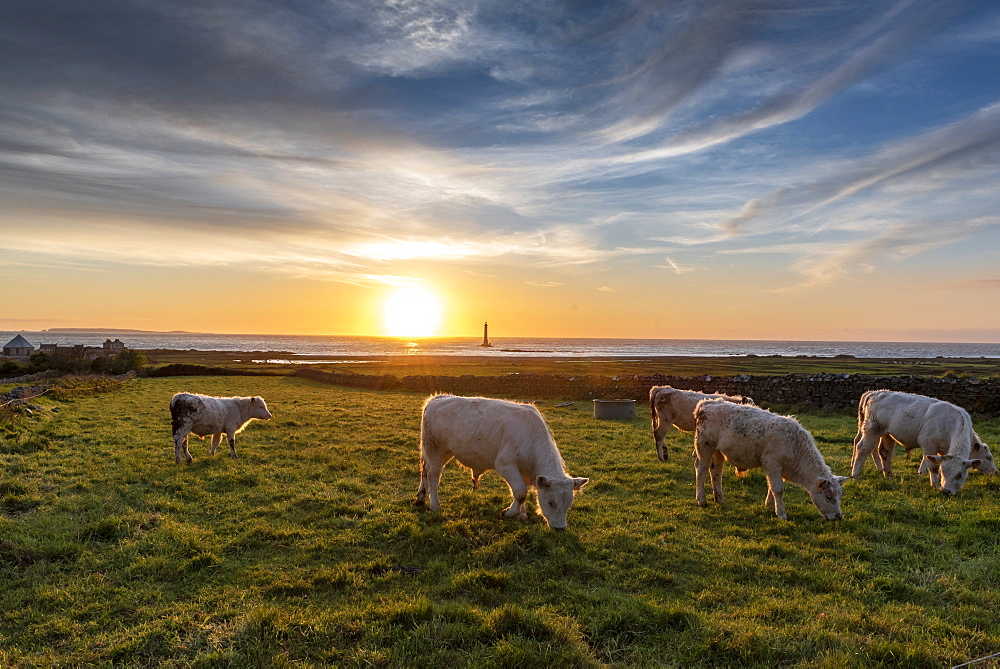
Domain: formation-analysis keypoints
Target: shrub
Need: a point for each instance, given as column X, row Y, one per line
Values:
column 12, row 368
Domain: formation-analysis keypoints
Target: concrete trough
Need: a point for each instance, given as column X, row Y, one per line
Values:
column 614, row 409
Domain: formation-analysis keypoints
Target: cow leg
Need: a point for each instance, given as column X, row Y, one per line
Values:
column 715, row 469
column 422, row 490
column 660, row 428
column 701, row 464
column 518, row 489
column 934, row 470
column 216, row 440
column 232, row 444
column 431, row 469
column 862, row 449
column 181, row 447
column 775, row 491
column 886, row 449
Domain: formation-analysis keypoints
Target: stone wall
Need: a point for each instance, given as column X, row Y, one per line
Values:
column 825, row 391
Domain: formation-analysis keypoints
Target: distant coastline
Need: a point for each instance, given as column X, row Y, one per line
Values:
column 117, row 331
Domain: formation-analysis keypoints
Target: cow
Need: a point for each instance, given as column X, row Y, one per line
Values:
column 942, row 431
column 672, row 406
column 202, row 415
column 509, row 437
column 887, row 447
column 750, row 437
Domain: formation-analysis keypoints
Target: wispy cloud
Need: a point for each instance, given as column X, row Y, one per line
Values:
column 677, row 267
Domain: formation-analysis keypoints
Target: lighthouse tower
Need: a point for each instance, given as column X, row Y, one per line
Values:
column 486, row 335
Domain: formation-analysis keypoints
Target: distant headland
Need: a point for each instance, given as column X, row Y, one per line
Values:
column 115, row 331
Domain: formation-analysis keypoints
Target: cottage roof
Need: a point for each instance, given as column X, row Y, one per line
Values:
column 18, row 342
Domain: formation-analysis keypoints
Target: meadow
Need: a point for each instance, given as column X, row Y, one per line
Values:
column 308, row 550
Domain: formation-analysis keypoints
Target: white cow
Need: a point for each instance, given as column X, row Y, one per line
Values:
column 672, row 406
column 942, row 431
column 509, row 437
column 750, row 437
column 887, row 447
column 203, row 415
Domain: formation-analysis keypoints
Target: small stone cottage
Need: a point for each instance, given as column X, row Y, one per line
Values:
column 18, row 348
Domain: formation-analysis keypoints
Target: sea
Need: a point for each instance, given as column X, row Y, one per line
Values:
column 277, row 347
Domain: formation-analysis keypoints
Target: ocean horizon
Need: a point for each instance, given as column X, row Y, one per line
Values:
column 342, row 346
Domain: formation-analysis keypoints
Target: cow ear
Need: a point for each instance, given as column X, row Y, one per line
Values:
column 841, row 479
column 936, row 459
column 541, row 482
column 579, row 483
column 822, row 484
column 973, row 463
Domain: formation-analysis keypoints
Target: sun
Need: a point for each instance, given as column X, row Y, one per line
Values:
column 411, row 312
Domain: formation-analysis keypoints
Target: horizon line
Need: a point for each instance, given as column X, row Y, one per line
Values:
column 82, row 330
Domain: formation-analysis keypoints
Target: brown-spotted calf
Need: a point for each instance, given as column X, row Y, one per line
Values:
column 202, row 415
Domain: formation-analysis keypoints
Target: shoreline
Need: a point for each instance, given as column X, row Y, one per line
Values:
column 284, row 362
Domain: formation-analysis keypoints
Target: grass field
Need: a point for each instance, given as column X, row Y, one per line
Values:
column 308, row 551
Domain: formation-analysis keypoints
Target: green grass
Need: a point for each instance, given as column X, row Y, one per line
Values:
column 308, row 551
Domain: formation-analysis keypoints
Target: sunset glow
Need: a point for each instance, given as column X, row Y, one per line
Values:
column 412, row 312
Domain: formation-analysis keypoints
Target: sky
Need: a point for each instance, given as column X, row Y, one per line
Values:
column 720, row 169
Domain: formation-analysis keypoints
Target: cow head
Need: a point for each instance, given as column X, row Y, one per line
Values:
column 826, row 494
column 952, row 469
column 981, row 452
column 555, row 495
column 258, row 408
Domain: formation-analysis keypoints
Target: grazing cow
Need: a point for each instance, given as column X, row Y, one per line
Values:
column 887, row 447
column 671, row 406
column 485, row 434
column 750, row 437
column 942, row 431
column 203, row 415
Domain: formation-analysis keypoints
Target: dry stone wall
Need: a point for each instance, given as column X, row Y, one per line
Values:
column 824, row 391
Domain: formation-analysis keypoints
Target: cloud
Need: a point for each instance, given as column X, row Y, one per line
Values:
column 871, row 45
column 676, row 267
column 938, row 160
column 985, row 283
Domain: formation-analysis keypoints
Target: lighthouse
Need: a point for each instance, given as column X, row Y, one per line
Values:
column 486, row 335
